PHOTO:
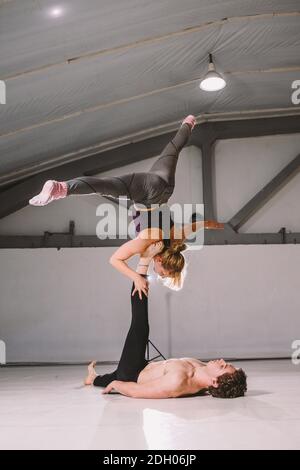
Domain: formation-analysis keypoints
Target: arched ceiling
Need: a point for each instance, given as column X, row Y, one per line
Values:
column 84, row 76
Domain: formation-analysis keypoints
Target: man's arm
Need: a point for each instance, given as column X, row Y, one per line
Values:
column 168, row 386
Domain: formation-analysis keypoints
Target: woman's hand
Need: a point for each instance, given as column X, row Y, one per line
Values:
column 153, row 250
column 213, row 225
column 141, row 285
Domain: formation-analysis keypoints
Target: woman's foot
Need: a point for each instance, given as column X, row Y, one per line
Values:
column 89, row 380
column 190, row 120
column 51, row 191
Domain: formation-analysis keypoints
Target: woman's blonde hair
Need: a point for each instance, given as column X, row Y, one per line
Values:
column 174, row 261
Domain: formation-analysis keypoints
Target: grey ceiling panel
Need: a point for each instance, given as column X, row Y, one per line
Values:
column 37, row 39
column 136, row 67
column 58, row 92
column 54, row 140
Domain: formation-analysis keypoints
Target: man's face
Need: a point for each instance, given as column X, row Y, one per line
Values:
column 159, row 269
column 219, row 367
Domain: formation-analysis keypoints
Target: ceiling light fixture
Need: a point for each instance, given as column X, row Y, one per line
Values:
column 212, row 80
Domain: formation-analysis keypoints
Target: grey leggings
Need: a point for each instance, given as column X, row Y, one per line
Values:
column 153, row 187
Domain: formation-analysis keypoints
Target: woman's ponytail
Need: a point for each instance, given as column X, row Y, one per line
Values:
column 178, row 246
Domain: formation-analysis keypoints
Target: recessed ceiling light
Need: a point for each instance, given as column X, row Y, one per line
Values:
column 55, row 12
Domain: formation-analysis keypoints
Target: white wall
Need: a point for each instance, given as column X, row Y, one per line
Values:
column 70, row 305
column 244, row 167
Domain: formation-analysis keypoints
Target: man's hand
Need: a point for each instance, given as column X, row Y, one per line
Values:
column 213, row 225
column 153, row 250
column 141, row 285
column 110, row 387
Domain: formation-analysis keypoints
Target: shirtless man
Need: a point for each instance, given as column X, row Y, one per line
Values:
column 172, row 378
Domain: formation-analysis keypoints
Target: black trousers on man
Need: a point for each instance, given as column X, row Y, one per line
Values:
column 132, row 360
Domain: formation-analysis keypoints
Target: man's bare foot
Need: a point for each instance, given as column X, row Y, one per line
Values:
column 89, row 380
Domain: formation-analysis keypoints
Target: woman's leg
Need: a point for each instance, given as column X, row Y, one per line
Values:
column 106, row 186
column 138, row 186
column 165, row 166
column 160, row 181
column 155, row 186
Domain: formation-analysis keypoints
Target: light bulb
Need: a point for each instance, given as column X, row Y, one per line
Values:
column 212, row 83
column 212, row 80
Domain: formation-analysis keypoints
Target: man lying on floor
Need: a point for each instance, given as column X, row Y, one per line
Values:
column 135, row 377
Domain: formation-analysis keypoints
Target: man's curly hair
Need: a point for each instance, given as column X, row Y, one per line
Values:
column 230, row 385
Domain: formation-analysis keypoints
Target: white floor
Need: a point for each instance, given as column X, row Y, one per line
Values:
column 48, row 408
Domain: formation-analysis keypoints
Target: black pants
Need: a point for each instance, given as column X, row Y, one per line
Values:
column 132, row 360
column 153, row 187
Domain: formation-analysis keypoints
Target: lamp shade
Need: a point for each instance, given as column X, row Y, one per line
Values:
column 212, row 80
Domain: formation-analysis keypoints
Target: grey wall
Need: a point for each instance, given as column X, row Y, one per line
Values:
column 240, row 301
